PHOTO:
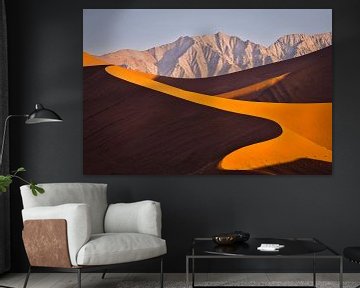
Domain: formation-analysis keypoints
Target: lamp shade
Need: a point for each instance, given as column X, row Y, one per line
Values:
column 42, row 115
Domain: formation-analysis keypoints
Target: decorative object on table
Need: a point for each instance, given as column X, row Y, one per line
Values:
column 224, row 239
column 207, row 104
column 242, row 236
column 39, row 115
column 265, row 247
column 231, row 238
column 96, row 236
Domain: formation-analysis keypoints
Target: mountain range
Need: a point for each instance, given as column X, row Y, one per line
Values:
column 216, row 54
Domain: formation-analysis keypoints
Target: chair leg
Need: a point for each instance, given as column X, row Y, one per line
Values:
column 103, row 275
column 27, row 277
column 161, row 272
column 79, row 277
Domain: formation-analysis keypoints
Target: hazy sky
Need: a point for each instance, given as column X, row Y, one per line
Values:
column 108, row 30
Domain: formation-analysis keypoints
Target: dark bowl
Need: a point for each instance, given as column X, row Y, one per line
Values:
column 231, row 238
column 225, row 239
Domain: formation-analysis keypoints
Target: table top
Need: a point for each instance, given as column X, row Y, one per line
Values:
column 293, row 247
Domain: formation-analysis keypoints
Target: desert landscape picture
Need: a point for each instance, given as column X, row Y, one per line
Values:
column 207, row 103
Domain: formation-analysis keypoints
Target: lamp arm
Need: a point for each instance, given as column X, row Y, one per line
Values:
column 4, row 134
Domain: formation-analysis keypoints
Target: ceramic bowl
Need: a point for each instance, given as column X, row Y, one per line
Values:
column 225, row 239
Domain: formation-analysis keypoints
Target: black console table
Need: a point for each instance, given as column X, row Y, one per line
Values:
column 294, row 248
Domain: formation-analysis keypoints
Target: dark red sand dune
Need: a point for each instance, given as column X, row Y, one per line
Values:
column 134, row 130
column 300, row 166
column 310, row 80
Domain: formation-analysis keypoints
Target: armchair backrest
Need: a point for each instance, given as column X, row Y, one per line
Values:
column 55, row 194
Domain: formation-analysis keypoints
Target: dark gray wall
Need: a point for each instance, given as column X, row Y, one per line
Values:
column 45, row 43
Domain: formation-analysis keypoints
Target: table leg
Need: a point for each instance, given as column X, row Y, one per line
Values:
column 193, row 272
column 341, row 273
column 314, row 271
column 193, row 267
column 187, row 272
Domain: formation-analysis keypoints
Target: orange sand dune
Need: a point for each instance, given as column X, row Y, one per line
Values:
column 280, row 150
column 257, row 87
column 298, row 121
column 90, row 60
column 130, row 129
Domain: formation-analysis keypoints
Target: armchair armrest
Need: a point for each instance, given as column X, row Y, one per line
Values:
column 138, row 217
column 77, row 217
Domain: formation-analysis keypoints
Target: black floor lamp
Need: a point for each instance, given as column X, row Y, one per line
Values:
column 39, row 115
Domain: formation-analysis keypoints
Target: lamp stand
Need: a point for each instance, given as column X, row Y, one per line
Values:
column 39, row 115
column 4, row 135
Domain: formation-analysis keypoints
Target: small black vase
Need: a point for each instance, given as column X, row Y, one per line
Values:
column 241, row 236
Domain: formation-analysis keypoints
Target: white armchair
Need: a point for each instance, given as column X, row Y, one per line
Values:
column 72, row 228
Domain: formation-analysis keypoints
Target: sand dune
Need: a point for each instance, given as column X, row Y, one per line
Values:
column 311, row 121
column 274, row 152
column 312, row 83
column 304, row 139
column 90, row 60
column 301, row 167
column 308, row 80
column 129, row 129
column 253, row 88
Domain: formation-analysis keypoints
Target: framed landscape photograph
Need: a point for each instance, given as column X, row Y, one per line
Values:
column 207, row 91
